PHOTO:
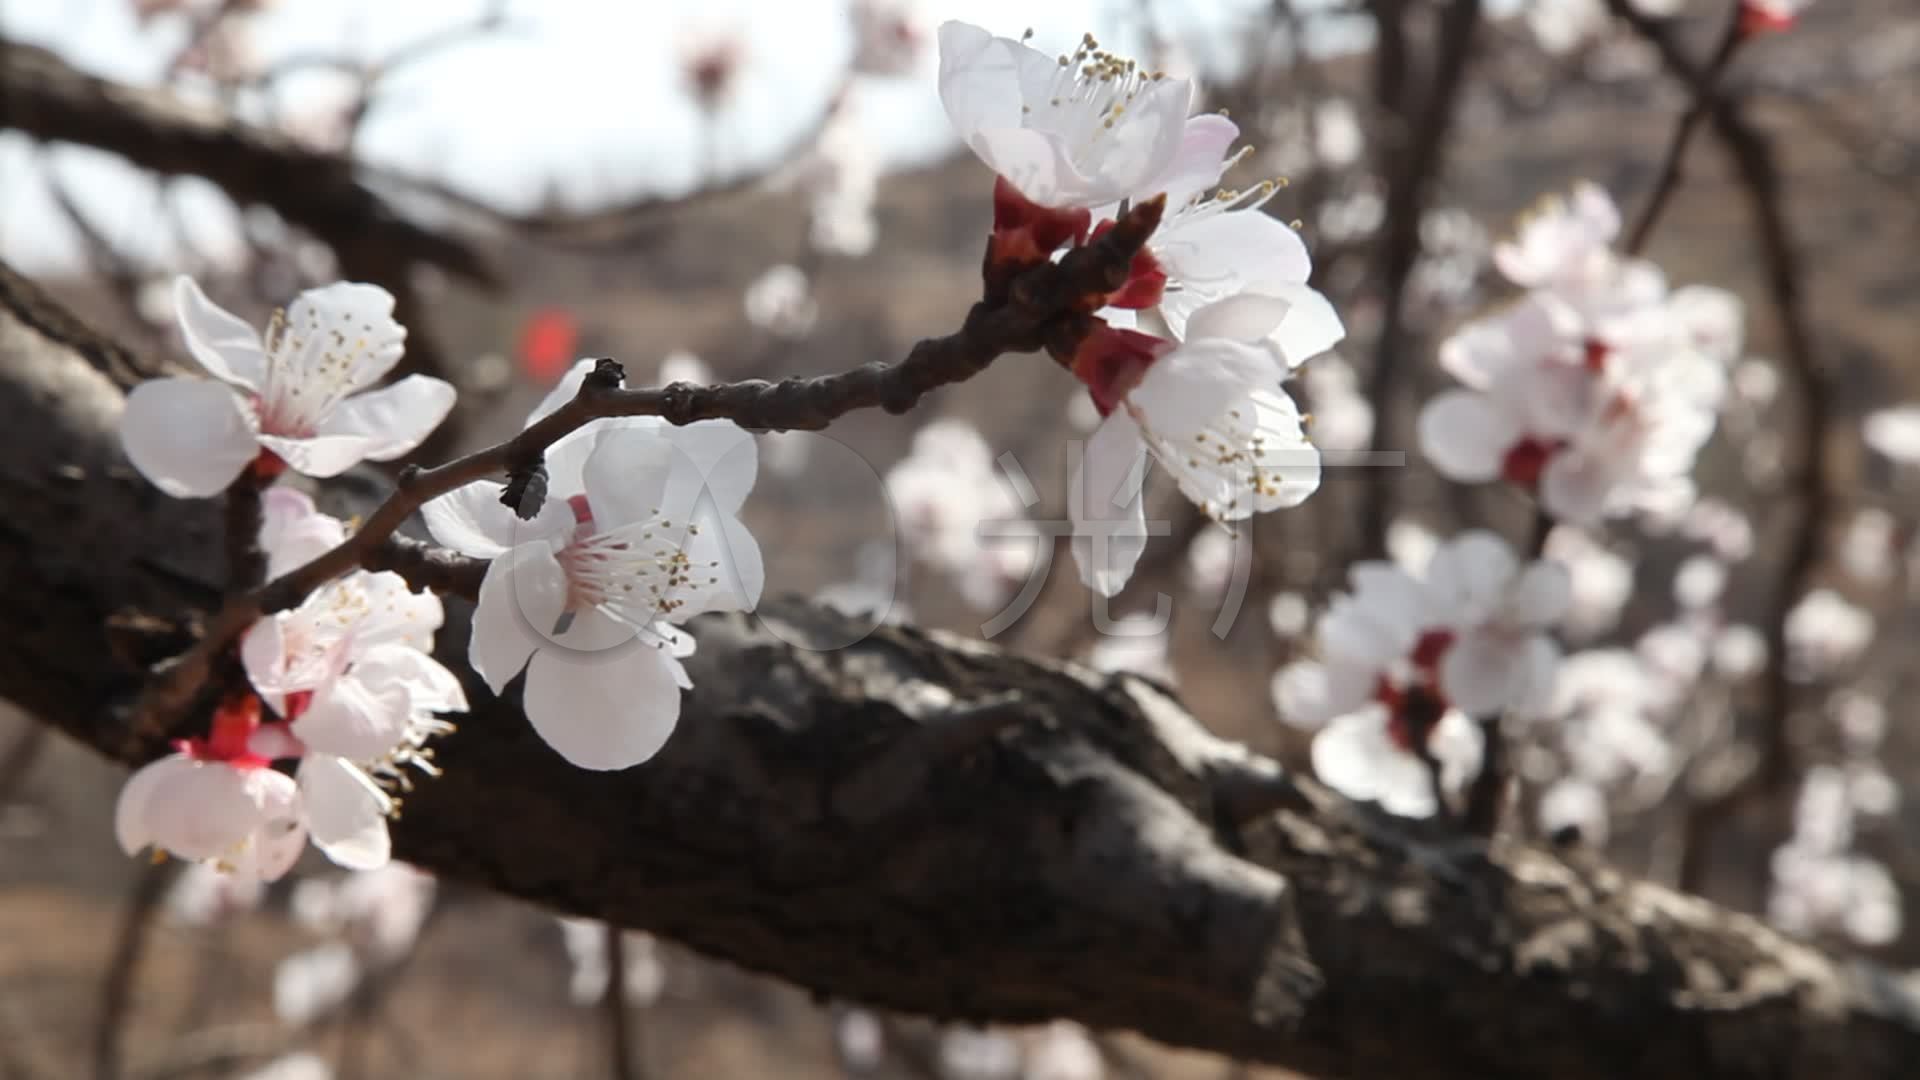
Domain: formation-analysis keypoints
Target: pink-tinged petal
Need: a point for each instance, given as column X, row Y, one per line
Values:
column 346, row 812
column 1038, row 166
column 1354, row 755
column 189, row 437
column 1468, row 577
column 1466, row 437
column 472, row 521
column 1308, row 694
column 429, row 685
column 322, row 455
column 343, row 333
column 226, row 347
column 393, row 419
column 1106, row 504
column 133, row 811
column 607, row 710
column 263, row 652
column 521, row 599
column 395, row 614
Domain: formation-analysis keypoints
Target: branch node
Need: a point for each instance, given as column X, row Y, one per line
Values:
column 526, row 490
column 607, row 374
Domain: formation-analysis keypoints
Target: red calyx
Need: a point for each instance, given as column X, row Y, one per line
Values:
column 266, row 467
column 1146, row 281
column 1026, row 233
column 234, row 723
column 1112, row 362
column 1596, row 356
column 1526, row 460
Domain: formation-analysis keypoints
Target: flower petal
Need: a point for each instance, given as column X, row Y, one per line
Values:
column 472, row 521
column 1468, row 577
column 349, row 718
column 1107, row 505
column 320, row 456
column 393, row 419
column 1465, row 436
column 227, row 347
column 342, row 334
column 346, row 812
column 189, row 437
column 1354, row 756
column 521, row 599
column 604, row 710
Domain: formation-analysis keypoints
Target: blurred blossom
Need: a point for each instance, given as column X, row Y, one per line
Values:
column 1288, row 614
column 1871, row 790
column 1601, row 581
column 680, row 365
column 711, row 59
column 976, row 1054
column 1134, row 643
column 315, row 981
column 1699, row 582
column 780, row 302
column 380, row 912
column 1895, row 432
column 1337, row 137
column 1411, row 545
column 1210, row 561
column 890, row 37
column 1605, row 707
column 839, row 175
column 943, row 492
column 1862, row 719
column 860, row 1039
column 1868, row 548
column 1063, row 1051
column 1351, row 217
column 1577, row 805
column 1739, row 652
column 1722, row 526
column 1560, row 26
column 1757, row 382
column 1820, row 886
column 1342, row 418
column 1826, row 632
column 202, row 895
column 586, row 943
column 1675, row 654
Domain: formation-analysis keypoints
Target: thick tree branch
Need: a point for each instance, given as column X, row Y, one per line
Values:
column 1077, row 847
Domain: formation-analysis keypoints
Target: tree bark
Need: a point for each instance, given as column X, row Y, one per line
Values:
column 932, row 825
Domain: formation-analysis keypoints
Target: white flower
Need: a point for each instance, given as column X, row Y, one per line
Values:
column 967, row 1053
column 1601, row 581
column 1577, row 805
column 243, row 818
column 1825, row 632
column 1210, row 410
column 586, row 944
column 314, row 981
column 1068, row 131
column 639, row 532
column 1895, row 432
column 379, row 912
column 780, row 302
column 295, row 395
column 1063, row 1051
column 204, row 895
column 1134, row 643
column 1401, row 655
column 955, row 510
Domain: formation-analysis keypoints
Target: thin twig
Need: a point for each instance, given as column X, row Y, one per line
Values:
column 1045, row 302
column 619, row 1031
column 1705, row 92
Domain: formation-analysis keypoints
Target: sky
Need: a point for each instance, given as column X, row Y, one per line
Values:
column 578, row 101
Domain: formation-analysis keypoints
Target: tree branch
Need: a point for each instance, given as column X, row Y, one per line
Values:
column 1096, row 855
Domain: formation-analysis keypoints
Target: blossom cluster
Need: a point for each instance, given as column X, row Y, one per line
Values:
column 1184, row 360
column 640, row 531
column 1597, row 388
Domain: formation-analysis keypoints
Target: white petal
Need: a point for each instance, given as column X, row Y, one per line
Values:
column 228, row 348
column 1311, row 326
column 189, row 437
column 979, row 81
column 1542, row 595
column 1190, row 387
column 343, row 333
column 293, row 532
column 1468, row 577
column 472, row 521
column 1107, row 505
column 562, row 392
column 133, row 811
column 626, row 474
column 521, row 599
column 1465, row 436
column 346, row 812
column 1484, row 674
column 1576, row 488
column 393, row 419
column 429, row 685
column 351, row 719
column 1244, row 317
column 1354, row 756
column 1239, row 249
column 1304, row 695
column 1198, row 163
column 605, row 710
column 725, row 460
column 322, row 455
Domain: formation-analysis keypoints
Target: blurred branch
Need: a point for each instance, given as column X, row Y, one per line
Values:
column 1761, row 184
column 1704, row 97
column 1412, row 161
column 1076, row 860
column 116, row 990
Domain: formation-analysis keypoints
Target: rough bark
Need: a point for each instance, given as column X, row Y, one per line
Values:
column 936, row 826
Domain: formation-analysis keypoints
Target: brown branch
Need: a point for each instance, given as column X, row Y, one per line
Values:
column 1045, row 301
column 1106, row 860
column 1705, row 90
column 116, row 989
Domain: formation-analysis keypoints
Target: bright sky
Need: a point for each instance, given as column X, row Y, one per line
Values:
column 579, row 100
